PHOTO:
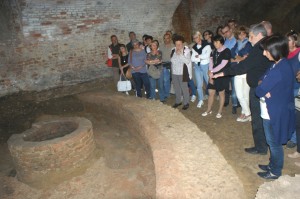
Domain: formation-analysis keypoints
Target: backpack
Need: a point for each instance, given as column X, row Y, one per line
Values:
column 185, row 72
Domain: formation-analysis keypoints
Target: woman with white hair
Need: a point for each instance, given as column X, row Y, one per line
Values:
column 200, row 57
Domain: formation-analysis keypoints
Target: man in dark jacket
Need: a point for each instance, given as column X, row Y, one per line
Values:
column 255, row 65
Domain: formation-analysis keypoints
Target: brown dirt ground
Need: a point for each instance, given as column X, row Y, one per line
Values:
column 230, row 136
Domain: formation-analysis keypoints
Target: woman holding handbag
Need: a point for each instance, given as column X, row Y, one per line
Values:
column 125, row 70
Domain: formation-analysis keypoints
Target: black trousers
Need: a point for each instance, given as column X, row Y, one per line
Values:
column 259, row 137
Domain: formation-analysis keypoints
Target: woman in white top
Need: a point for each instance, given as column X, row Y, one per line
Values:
column 201, row 52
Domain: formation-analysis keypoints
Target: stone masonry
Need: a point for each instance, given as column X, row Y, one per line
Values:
column 47, row 44
column 65, row 42
column 51, row 148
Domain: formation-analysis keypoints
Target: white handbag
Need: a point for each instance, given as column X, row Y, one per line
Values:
column 124, row 85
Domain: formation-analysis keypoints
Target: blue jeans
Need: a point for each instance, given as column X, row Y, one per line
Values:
column 276, row 149
column 164, row 84
column 141, row 79
column 201, row 73
column 234, row 99
column 152, row 87
column 294, row 137
column 191, row 85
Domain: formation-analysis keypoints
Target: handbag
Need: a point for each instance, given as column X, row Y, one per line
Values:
column 154, row 72
column 109, row 62
column 128, row 74
column 185, row 74
column 123, row 86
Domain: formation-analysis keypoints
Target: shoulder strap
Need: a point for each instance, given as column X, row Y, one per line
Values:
column 130, row 56
column 172, row 52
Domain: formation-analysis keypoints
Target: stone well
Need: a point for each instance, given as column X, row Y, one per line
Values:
column 51, row 148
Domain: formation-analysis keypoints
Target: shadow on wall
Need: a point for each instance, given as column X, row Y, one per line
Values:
column 284, row 15
column 10, row 20
column 192, row 15
column 181, row 21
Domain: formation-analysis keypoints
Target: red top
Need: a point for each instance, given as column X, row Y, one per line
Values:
column 292, row 54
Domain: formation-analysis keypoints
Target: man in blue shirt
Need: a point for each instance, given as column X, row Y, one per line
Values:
column 230, row 42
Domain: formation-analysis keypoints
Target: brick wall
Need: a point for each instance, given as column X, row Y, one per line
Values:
column 53, row 43
column 284, row 15
column 210, row 14
column 64, row 42
column 182, row 20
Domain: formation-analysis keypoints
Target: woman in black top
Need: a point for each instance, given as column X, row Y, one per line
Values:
column 124, row 66
column 123, row 59
column 220, row 60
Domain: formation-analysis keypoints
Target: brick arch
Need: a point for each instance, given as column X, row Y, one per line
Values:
column 181, row 20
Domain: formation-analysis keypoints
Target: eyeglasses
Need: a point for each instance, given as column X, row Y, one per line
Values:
column 225, row 32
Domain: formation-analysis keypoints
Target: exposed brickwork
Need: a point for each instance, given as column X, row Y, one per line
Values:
column 211, row 14
column 40, row 152
column 49, row 43
column 65, row 42
column 181, row 20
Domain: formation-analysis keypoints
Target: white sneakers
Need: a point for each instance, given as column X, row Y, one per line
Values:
column 193, row 98
column 244, row 118
column 294, row 155
column 200, row 103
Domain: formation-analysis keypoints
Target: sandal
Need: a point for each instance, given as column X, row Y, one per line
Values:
column 219, row 115
column 206, row 113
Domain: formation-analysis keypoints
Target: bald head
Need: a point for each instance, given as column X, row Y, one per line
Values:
column 268, row 27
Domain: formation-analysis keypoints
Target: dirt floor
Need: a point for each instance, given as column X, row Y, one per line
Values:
column 123, row 167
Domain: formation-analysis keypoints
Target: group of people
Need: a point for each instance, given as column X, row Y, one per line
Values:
column 258, row 69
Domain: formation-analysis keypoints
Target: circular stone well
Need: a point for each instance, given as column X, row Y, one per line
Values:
column 51, row 149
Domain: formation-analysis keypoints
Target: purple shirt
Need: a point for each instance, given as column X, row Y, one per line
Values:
column 138, row 59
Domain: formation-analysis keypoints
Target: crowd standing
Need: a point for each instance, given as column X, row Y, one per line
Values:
column 258, row 70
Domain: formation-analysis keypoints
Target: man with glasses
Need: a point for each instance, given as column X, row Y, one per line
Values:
column 255, row 65
column 230, row 42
